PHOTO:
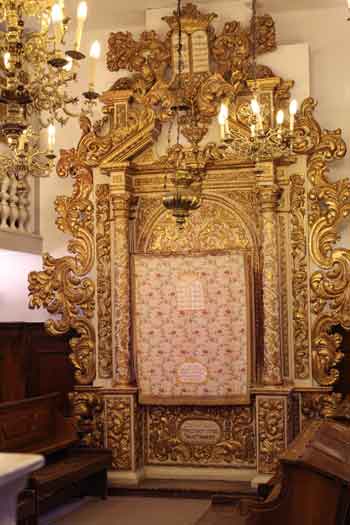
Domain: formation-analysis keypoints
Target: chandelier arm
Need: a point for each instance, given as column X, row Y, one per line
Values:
column 36, row 79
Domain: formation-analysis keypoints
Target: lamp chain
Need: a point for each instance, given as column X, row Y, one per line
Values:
column 254, row 43
column 180, row 68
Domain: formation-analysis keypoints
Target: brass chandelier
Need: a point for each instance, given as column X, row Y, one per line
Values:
column 186, row 172
column 269, row 138
column 36, row 71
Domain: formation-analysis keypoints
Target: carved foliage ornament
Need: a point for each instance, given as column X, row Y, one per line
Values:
column 119, row 420
column 299, row 277
column 271, row 431
column 63, row 287
column 87, row 408
column 150, row 58
column 104, row 285
column 213, row 227
column 234, row 443
column 318, row 405
column 329, row 206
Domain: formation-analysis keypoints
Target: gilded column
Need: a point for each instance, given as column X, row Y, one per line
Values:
column 272, row 361
column 121, row 287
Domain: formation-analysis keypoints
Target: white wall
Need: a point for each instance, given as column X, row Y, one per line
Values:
column 328, row 34
column 325, row 30
column 14, row 269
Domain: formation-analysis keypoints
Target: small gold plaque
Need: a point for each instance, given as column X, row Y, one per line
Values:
column 200, row 432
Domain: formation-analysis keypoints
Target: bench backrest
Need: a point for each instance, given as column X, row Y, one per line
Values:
column 34, row 424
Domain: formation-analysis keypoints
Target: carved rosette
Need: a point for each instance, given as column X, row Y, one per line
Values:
column 233, row 439
column 88, row 410
column 272, row 366
column 63, row 287
column 299, row 278
column 104, row 284
column 121, row 265
column 119, row 416
column 272, row 431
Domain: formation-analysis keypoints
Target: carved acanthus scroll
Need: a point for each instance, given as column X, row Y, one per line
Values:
column 329, row 206
column 63, row 287
column 153, row 61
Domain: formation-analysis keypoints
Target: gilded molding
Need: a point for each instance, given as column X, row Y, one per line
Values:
column 119, row 420
column 104, row 281
column 271, row 431
column 121, row 268
column 299, row 278
column 234, row 444
column 63, row 287
column 88, row 411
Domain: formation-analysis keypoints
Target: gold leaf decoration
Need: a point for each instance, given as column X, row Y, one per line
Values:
column 233, row 444
column 316, row 405
column 63, row 287
column 299, row 278
column 119, row 418
column 328, row 207
column 271, row 431
column 213, row 227
column 87, row 408
column 104, row 284
column 325, row 351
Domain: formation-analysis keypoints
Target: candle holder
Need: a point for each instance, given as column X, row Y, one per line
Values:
column 50, row 155
column 75, row 55
column 91, row 95
column 58, row 61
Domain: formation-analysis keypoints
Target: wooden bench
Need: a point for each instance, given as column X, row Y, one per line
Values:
column 36, row 425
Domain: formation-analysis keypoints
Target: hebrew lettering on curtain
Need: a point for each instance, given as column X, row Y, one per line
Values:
column 192, row 328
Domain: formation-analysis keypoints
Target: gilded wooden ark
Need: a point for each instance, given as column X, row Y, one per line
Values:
column 288, row 213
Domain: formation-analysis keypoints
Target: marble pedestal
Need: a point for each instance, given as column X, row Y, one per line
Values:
column 14, row 471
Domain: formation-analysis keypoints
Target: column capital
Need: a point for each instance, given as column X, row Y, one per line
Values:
column 269, row 196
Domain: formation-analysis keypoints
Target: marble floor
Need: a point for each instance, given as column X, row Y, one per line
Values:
column 132, row 510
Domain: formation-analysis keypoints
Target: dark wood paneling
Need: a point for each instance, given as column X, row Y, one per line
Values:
column 32, row 362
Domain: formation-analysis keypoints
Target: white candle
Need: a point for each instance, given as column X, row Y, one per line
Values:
column 252, row 131
column 255, row 107
column 222, row 119
column 51, row 137
column 293, row 108
column 95, row 53
column 56, row 18
column 81, row 17
column 7, row 58
column 280, row 117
